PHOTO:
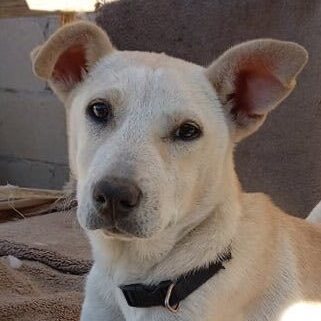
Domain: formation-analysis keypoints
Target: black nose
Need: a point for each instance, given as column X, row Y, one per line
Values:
column 116, row 196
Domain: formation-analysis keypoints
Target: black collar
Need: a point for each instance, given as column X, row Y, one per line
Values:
column 169, row 293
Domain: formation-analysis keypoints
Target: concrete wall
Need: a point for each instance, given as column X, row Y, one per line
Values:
column 33, row 149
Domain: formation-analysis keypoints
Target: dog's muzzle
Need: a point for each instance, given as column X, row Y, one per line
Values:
column 114, row 200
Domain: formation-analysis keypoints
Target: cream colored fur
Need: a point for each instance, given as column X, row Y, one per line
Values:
column 315, row 215
column 193, row 207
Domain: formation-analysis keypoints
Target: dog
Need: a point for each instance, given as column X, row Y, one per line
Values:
column 151, row 141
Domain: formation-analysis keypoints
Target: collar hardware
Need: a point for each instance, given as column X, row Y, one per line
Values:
column 167, row 305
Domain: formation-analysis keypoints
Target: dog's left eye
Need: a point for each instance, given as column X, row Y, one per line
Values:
column 187, row 131
column 100, row 111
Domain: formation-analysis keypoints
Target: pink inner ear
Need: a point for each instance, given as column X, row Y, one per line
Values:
column 70, row 64
column 257, row 91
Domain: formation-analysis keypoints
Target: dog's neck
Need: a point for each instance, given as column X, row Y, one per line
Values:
column 142, row 260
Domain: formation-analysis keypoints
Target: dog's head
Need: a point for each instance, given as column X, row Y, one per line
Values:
column 151, row 136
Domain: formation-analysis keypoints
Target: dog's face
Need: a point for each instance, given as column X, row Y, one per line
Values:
column 151, row 127
column 150, row 136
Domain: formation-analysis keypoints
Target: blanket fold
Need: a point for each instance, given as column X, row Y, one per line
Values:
column 52, row 259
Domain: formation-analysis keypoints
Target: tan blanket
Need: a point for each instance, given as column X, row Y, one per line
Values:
column 43, row 263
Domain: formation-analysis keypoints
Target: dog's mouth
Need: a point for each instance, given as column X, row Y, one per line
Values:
column 115, row 232
column 117, row 229
column 109, row 228
column 126, row 227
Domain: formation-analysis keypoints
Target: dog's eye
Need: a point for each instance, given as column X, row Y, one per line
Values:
column 100, row 111
column 187, row 131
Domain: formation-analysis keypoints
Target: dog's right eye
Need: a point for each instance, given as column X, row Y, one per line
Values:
column 100, row 111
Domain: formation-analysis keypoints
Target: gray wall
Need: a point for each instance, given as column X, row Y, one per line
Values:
column 33, row 149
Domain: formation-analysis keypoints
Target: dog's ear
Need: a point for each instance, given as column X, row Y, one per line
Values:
column 252, row 78
column 65, row 58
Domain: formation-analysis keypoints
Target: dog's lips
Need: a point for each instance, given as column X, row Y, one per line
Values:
column 114, row 232
column 107, row 225
column 117, row 228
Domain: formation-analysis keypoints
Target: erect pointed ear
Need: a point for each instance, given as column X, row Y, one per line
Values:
column 252, row 78
column 66, row 57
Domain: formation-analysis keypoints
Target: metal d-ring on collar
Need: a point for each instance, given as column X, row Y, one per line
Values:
column 167, row 305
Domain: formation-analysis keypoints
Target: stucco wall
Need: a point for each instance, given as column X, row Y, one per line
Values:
column 33, row 149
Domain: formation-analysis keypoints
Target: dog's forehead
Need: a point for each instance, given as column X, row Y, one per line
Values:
column 150, row 77
column 152, row 60
column 130, row 68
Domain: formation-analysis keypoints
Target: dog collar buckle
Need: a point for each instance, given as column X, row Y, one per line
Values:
column 167, row 305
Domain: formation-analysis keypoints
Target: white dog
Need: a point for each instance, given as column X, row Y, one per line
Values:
column 151, row 142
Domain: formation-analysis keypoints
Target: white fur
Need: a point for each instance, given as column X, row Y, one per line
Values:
column 193, row 207
column 315, row 215
column 137, row 143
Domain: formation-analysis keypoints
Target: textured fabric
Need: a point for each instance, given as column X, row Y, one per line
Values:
column 284, row 158
column 35, row 292
column 52, row 259
column 42, row 272
column 58, row 232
